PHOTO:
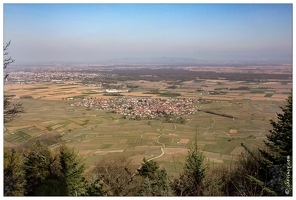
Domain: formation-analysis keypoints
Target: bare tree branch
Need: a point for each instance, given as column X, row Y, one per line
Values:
column 10, row 111
column 6, row 61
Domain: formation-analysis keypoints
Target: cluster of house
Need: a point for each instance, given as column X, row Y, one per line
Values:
column 142, row 108
column 50, row 76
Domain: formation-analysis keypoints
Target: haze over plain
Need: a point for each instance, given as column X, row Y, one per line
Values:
column 93, row 33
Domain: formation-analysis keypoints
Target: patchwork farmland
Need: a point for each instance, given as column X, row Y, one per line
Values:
column 94, row 132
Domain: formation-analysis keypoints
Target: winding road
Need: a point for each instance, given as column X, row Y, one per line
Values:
column 162, row 146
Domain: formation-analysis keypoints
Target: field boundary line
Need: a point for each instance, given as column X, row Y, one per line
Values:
column 227, row 134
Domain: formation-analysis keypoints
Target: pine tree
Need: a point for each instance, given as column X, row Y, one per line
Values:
column 163, row 183
column 278, row 151
column 94, row 188
column 275, row 160
column 190, row 182
column 13, row 174
column 156, row 182
column 148, row 168
column 279, row 144
column 42, row 171
column 72, row 169
column 36, row 165
column 53, row 172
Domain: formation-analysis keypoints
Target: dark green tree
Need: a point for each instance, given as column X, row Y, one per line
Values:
column 274, row 174
column 148, row 168
column 190, row 182
column 157, row 185
column 52, row 172
column 94, row 187
column 13, row 177
column 72, row 169
column 279, row 144
column 155, row 180
column 277, row 156
column 39, row 164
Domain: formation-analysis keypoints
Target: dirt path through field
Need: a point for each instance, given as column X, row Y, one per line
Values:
column 213, row 122
column 162, row 152
column 162, row 146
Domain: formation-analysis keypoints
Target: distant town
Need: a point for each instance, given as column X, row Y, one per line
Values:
column 143, row 108
column 95, row 74
column 52, row 76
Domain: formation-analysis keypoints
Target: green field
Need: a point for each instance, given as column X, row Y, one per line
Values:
column 257, row 90
column 95, row 133
column 268, row 95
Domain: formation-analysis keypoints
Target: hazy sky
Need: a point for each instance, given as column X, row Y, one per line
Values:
column 94, row 32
